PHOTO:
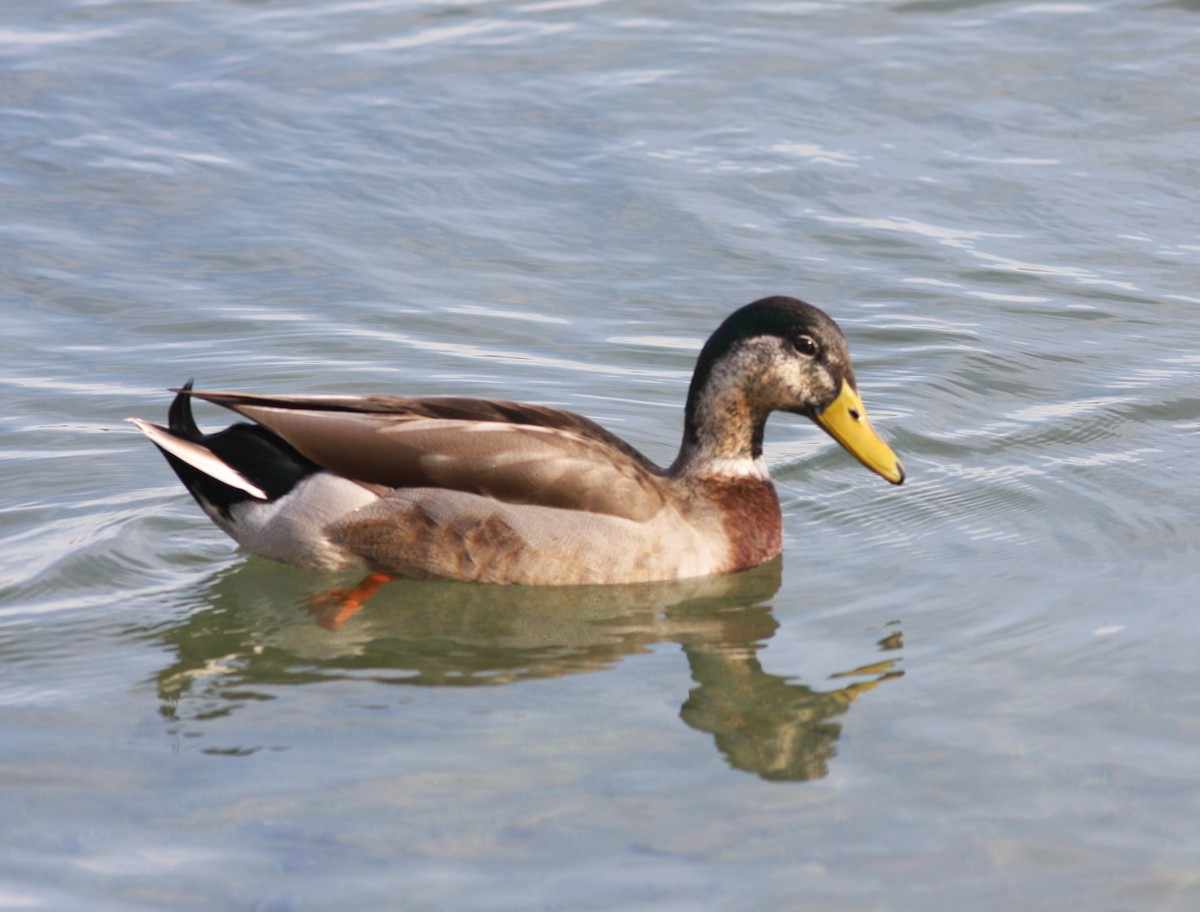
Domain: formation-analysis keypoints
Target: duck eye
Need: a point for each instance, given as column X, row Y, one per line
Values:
column 805, row 345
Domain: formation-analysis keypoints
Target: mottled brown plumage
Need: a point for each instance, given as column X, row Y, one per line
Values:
column 506, row 492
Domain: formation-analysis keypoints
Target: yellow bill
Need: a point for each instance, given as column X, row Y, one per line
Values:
column 845, row 420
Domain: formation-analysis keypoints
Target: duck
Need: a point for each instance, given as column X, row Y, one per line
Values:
column 493, row 491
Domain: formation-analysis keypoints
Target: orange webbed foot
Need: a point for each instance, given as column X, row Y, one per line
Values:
column 333, row 608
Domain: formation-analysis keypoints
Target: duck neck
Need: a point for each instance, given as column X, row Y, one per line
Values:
column 722, row 434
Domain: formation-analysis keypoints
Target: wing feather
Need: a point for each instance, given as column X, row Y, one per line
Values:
column 512, row 452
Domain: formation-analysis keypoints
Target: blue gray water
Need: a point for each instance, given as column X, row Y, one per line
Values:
column 978, row 691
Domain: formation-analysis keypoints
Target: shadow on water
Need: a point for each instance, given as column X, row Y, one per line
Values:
column 259, row 629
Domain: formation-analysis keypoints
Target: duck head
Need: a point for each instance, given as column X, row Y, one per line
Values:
column 777, row 354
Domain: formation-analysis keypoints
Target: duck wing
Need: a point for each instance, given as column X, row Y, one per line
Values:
column 509, row 451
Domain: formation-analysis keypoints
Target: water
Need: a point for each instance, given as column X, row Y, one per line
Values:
column 976, row 691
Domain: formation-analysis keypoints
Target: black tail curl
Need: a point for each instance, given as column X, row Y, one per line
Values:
column 257, row 454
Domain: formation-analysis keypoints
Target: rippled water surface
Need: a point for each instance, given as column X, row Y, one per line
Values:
column 977, row 691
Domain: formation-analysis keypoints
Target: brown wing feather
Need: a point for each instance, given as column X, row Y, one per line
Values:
column 512, row 452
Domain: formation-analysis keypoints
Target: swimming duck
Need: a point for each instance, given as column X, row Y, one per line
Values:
column 505, row 492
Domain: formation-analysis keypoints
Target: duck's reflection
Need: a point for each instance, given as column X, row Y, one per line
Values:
column 254, row 632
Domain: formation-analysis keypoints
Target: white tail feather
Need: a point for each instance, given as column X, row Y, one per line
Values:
column 198, row 457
